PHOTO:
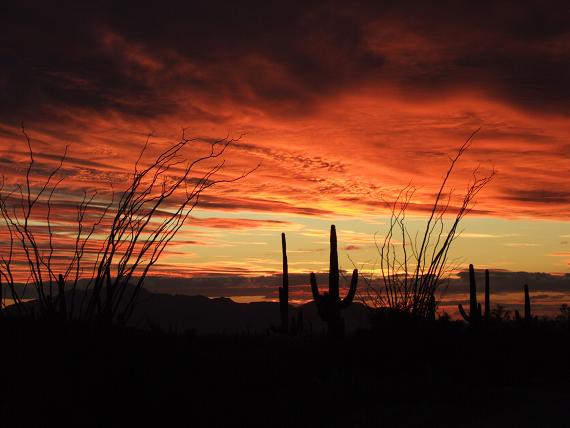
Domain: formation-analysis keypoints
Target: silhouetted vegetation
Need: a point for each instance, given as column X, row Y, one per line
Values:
column 401, row 372
column 564, row 313
column 474, row 317
column 154, row 205
column 527, row 308
column 284, row 290
column 297, row 325
column 412, row 265
column 330, row 304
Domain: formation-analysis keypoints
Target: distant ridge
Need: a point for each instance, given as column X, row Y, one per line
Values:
column 222, row 315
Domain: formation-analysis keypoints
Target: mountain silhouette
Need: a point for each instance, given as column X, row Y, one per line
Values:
column 222, row 315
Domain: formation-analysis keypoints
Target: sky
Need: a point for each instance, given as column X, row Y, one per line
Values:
column 341, row 104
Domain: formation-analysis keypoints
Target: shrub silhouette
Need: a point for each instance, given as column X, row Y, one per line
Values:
column 501, row 313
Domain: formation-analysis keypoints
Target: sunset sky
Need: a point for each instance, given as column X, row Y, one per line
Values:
column 341, row 104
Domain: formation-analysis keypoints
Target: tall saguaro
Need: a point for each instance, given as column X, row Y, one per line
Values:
column 487, row 297
column 329, row 304
column 527, row 309
column 284, row 289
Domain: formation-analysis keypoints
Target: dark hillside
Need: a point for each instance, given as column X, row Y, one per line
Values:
column 444, row 375
column 224, row 316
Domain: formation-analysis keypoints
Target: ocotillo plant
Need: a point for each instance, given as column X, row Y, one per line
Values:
column 330, row 304
column 474, row 308
column 527, row 307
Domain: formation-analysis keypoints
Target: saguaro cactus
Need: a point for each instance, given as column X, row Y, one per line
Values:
column 284, row 289
column 474, row 308
column 527, row 307
column 330, row 304
column 527, row 311
column 487, row 297
column 297, row 325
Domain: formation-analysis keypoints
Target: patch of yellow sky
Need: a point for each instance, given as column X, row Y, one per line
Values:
column 492, row 243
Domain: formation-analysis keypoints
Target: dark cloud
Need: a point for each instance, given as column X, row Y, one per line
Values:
column 234, row 285
column 547, row 291
column 228, row 203
column 235, row 223
column 502, row 282
column 133, row 58
column 512, row 282
column 54, row 57
column 538, row 196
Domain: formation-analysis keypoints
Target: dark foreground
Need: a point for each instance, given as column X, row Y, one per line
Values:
column 432, row 376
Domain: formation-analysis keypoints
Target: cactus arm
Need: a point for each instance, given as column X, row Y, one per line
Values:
column 351, row 291
column 527, row 309
column 314, row 287
column 334, row 277
column 463, row 313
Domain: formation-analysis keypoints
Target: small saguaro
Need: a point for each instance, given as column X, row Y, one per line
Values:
column 296, row 325
column 527, row 307
column 474, row 308
column 475, row 316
